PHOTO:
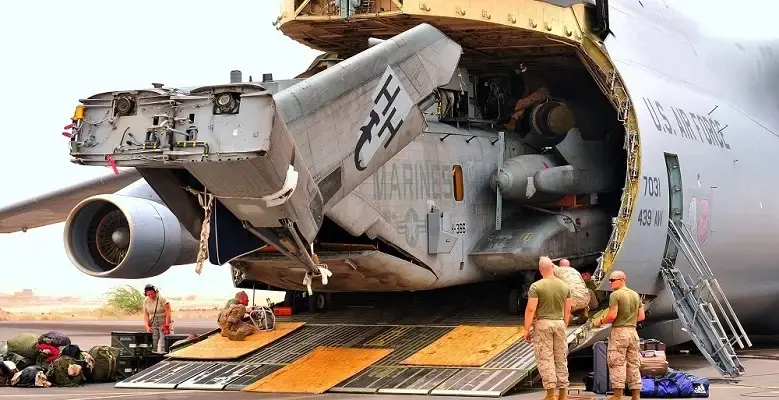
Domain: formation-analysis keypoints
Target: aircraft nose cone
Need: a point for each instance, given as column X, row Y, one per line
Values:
column 121, row 238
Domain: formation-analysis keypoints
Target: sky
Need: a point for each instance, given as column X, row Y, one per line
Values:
column 55, row 52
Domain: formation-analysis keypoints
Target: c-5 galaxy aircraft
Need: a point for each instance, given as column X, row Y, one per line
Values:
column 441, row 143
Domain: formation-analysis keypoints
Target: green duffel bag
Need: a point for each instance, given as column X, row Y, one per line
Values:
column 58, row 373
column 105, row 363
column 24, row 344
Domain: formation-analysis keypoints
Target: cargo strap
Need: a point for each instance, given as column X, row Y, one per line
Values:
column 206, row 201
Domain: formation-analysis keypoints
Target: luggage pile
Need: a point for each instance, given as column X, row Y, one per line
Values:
column 30, row 360
column 657, row 379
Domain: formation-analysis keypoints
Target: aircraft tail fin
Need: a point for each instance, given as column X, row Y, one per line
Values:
column 350, row 119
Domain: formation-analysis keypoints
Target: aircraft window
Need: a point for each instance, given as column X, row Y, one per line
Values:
column 457, row 182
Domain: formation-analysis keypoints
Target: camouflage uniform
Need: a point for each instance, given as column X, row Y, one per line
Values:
column 550, row 346
column 623, row 350
column 551, row 353
column 232, row 325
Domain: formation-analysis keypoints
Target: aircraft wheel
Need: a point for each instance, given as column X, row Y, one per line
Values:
column 514, row 298
column 291, row 299
column 319, row 302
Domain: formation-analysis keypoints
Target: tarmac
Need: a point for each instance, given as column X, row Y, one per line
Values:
column 761, row 363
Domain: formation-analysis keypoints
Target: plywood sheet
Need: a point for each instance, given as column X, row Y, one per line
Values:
column 218, row 347
column 319, row 370
column 467, row 346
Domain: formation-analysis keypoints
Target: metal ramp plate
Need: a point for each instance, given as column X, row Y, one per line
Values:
column 218, row 376
column 418, row 380
column 251, row 377
column 368, row 381
column 480, row 382
column 693, row 303
column 164, row 375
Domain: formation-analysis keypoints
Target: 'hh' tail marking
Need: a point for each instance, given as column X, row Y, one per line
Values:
column 401, row 104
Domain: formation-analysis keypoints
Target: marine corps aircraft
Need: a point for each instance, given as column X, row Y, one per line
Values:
column 439, row 143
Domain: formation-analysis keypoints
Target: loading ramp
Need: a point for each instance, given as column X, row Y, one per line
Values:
column 405, row 332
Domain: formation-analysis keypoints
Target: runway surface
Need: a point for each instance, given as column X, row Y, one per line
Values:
column 761, row 380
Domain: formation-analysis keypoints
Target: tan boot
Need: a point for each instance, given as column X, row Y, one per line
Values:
column 635, row 394
column 617, row 394
column 549, row 395
column 562, row 394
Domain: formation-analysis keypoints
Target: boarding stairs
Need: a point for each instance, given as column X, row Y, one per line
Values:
column 693, row 304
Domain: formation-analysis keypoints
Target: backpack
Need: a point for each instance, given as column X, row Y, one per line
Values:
column 58, row 373
column 105, row 363
column 20, row 361
column 24, row 344
column 674, row 385
column 27, row 376
column 71, row 350
column 55, row 339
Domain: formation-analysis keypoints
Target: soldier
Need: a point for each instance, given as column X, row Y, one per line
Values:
column 232, row 324
column 550, row 299
column 240, row 298
column 625, row 310
column 156, row 315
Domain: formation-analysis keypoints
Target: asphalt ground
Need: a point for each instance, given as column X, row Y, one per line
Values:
column 761, row 362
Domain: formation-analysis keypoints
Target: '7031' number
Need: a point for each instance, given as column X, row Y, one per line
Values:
column 651, row 186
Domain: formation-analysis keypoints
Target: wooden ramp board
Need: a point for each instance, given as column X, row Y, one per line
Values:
column 319, row 370
column 218, row 347
column 467, row 346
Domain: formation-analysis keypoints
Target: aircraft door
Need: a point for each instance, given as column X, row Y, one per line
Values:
column 675, row 201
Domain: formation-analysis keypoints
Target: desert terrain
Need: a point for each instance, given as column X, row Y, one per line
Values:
column 27, row 306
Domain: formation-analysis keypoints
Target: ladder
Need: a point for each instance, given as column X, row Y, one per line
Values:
column 692, row 303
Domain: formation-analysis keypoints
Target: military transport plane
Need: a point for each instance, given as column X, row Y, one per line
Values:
column 437, row 144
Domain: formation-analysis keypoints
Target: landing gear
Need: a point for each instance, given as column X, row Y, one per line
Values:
column 302, row 302
column 319, row 302
column 518, row 296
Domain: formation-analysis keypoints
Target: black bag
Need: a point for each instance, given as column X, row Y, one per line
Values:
column 588, row 381
column 27, row 377
column 72, row 351
column 600, row 368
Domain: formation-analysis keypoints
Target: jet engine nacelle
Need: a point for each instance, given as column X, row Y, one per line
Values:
column 118, row 236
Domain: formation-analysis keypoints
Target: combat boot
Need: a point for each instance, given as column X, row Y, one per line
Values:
column 635, row 394
column 617, row 394
column 549, row 395
column 562, row 394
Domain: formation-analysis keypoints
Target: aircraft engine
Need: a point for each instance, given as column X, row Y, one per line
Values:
column 117, row 236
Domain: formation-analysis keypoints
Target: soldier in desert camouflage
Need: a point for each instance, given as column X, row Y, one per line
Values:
column 625, row 310
column 231, row 319
column 549, row 299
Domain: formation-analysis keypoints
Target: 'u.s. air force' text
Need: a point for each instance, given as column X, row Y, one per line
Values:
column 706, row 129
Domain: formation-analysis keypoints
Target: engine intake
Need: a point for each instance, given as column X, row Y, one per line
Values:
column 117, row 236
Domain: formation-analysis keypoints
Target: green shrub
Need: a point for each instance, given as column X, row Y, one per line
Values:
column 126, row 299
